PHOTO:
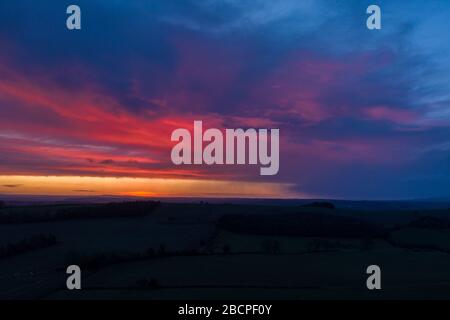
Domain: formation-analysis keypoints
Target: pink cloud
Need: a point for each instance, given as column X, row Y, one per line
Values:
column 398, row 116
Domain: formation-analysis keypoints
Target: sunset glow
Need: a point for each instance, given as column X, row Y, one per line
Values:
column 360, row 116
column 140, row 187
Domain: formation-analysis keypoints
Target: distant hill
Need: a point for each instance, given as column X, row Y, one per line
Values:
column 428, row 204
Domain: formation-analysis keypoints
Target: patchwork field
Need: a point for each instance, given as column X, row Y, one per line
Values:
column 192, row 251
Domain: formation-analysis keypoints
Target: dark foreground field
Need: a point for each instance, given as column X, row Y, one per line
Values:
column 152, row 250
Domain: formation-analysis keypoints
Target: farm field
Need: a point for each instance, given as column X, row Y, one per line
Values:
column 309, row 276
column 203, row 251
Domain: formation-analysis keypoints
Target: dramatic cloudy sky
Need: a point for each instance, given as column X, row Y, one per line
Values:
column 362, row 114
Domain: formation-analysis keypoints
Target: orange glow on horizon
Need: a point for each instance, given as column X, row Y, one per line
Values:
column 142, row 187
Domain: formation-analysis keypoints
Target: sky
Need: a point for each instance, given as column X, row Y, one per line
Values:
column 362, row 114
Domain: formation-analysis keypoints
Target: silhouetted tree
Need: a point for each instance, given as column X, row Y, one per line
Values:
column 162, row 249
column 300, row 224
column 28, row 244
column 92, row 211
column 320, row 245
column 148, row 284
column 276, row 247
column 271, row 246
column 325, row 205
